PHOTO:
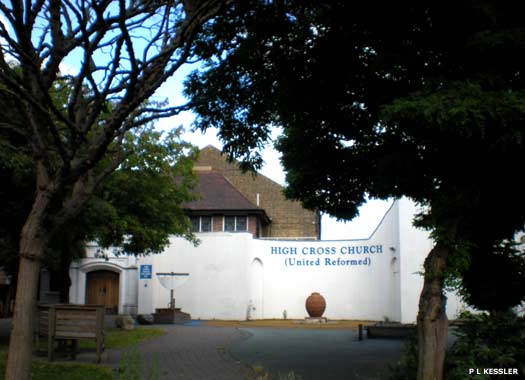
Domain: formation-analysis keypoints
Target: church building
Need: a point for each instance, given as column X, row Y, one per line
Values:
column 260, row 256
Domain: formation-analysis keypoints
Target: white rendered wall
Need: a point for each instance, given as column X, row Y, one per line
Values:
column 415, row 245
column 233, row 276
column 351, row 291
column 217, row 284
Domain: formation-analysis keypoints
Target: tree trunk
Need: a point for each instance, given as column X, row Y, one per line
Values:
column 33, row 243
column 20, row 343
column 432, row 323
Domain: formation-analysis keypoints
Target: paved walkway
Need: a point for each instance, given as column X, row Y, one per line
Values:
column 319, row 354
column 201, row 352
column 184, row 353
column 194, row 353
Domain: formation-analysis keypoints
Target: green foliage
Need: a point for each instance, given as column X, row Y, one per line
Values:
column 136, row 208
column 140, row 205
column 384, row 100
column 43, row 370
column 261, row 373
column 17, row 183
column 49, row 371
column 406, row 368
column 131, row 367
column 422, row 106
column 495, row 277
column 482, row 341
column 119, row 338
column 487, row 341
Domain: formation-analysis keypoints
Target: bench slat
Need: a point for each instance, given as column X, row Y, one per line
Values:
column 71, row 322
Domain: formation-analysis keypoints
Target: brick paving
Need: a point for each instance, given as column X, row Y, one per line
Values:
column 184, row 353
column 192, row 353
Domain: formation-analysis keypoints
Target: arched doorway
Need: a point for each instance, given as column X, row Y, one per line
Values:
column 102, row 288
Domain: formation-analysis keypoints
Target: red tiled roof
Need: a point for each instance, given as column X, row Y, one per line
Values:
column 218, row 194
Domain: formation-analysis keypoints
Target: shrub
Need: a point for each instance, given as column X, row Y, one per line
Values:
column 487, row 341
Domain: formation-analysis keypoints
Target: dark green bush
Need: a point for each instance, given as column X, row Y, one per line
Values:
column 487, row 341
column 482, row 341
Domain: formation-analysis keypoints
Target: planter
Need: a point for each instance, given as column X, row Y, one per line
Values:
column 391, row 330
column 170, row 316
column 315, row 305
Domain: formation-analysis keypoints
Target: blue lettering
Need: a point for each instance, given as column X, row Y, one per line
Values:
column 283, row 250
column 360, row 249
column 302, row 262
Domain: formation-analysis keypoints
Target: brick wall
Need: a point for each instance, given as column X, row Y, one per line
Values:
column 252, row 225
column 216, row 223
column 289, row 218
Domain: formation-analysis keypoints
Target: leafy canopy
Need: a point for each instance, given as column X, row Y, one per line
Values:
column 408, row 98
column 135, row 209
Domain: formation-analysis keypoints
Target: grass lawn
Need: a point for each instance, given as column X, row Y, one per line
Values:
column 43, row 370
column 115, row 338
column 118, row 338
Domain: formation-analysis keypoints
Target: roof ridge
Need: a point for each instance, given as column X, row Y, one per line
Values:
column 236, row 164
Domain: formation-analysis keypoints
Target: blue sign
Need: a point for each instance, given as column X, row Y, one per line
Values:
column 145, row 272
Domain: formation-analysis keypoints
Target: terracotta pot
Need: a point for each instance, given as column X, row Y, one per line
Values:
column 315, row 305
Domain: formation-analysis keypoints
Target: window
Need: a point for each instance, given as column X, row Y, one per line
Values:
column 195, row 224
column 201, row 223
column 235, row 223
column 205, row 223
column 241, row 223
column 229, row 223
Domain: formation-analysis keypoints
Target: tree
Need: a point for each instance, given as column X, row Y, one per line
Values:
column 136, row 208
column 120, row 53
column 16, row 193
column 413, row 99
column 495, row 279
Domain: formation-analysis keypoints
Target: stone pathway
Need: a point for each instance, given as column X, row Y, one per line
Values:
column 184, row 353
column 202, row 352
column 192, row 353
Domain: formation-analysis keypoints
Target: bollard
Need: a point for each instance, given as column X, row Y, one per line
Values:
column 360, row 329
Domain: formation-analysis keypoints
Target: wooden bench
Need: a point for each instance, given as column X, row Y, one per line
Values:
column 71, row 322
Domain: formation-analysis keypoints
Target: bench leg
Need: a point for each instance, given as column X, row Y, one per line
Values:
column 74, row 348
column 99, row 350
column 50, row 348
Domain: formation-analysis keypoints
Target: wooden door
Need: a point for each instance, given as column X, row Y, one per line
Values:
column 102, row 288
